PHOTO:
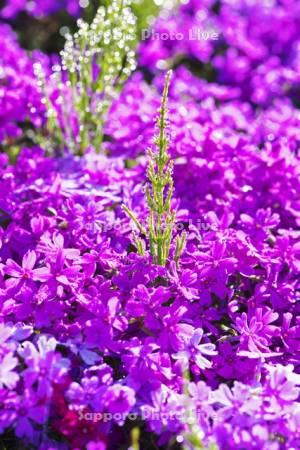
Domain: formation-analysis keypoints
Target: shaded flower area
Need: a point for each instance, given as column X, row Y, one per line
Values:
column 35, row 8
column 100, row 347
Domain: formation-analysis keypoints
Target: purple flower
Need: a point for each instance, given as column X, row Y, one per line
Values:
column 26, row 272
column 164, row 409
column 8, row 377
column 120, row 400
column 8, row 403
column 197, row 352
column 256, row 334
column 228, row 364
column 214, row 268
column 290, row 335
column 281, row 388
column 185, row 282
column 13, row 7
column 20, row 95
column 175, row 332
column 84, row 394
column 240, row 399
column 147, row 363
column 44, row 365
column 32, row 409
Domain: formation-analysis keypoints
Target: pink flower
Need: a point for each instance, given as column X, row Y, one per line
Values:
column 26, row 272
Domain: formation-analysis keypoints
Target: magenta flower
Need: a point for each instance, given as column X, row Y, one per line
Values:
column 256, row 334
column 119, row 399
column 26, row 272
column 290, row 335
column 185, row 283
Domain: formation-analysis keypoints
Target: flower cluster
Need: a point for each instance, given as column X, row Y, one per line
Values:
column 39, row 9
column 99, row 339
column 246, row 52
column 20, row 99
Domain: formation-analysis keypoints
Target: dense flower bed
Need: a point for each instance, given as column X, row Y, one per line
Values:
column 96, row 340
column 20, row 98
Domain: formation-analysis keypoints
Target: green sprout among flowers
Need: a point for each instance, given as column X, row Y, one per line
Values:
column 159, row 194
column 95, row 63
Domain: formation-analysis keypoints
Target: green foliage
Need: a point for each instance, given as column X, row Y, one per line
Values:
column 145, row 11
column 95, row 63
column 159, row 194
